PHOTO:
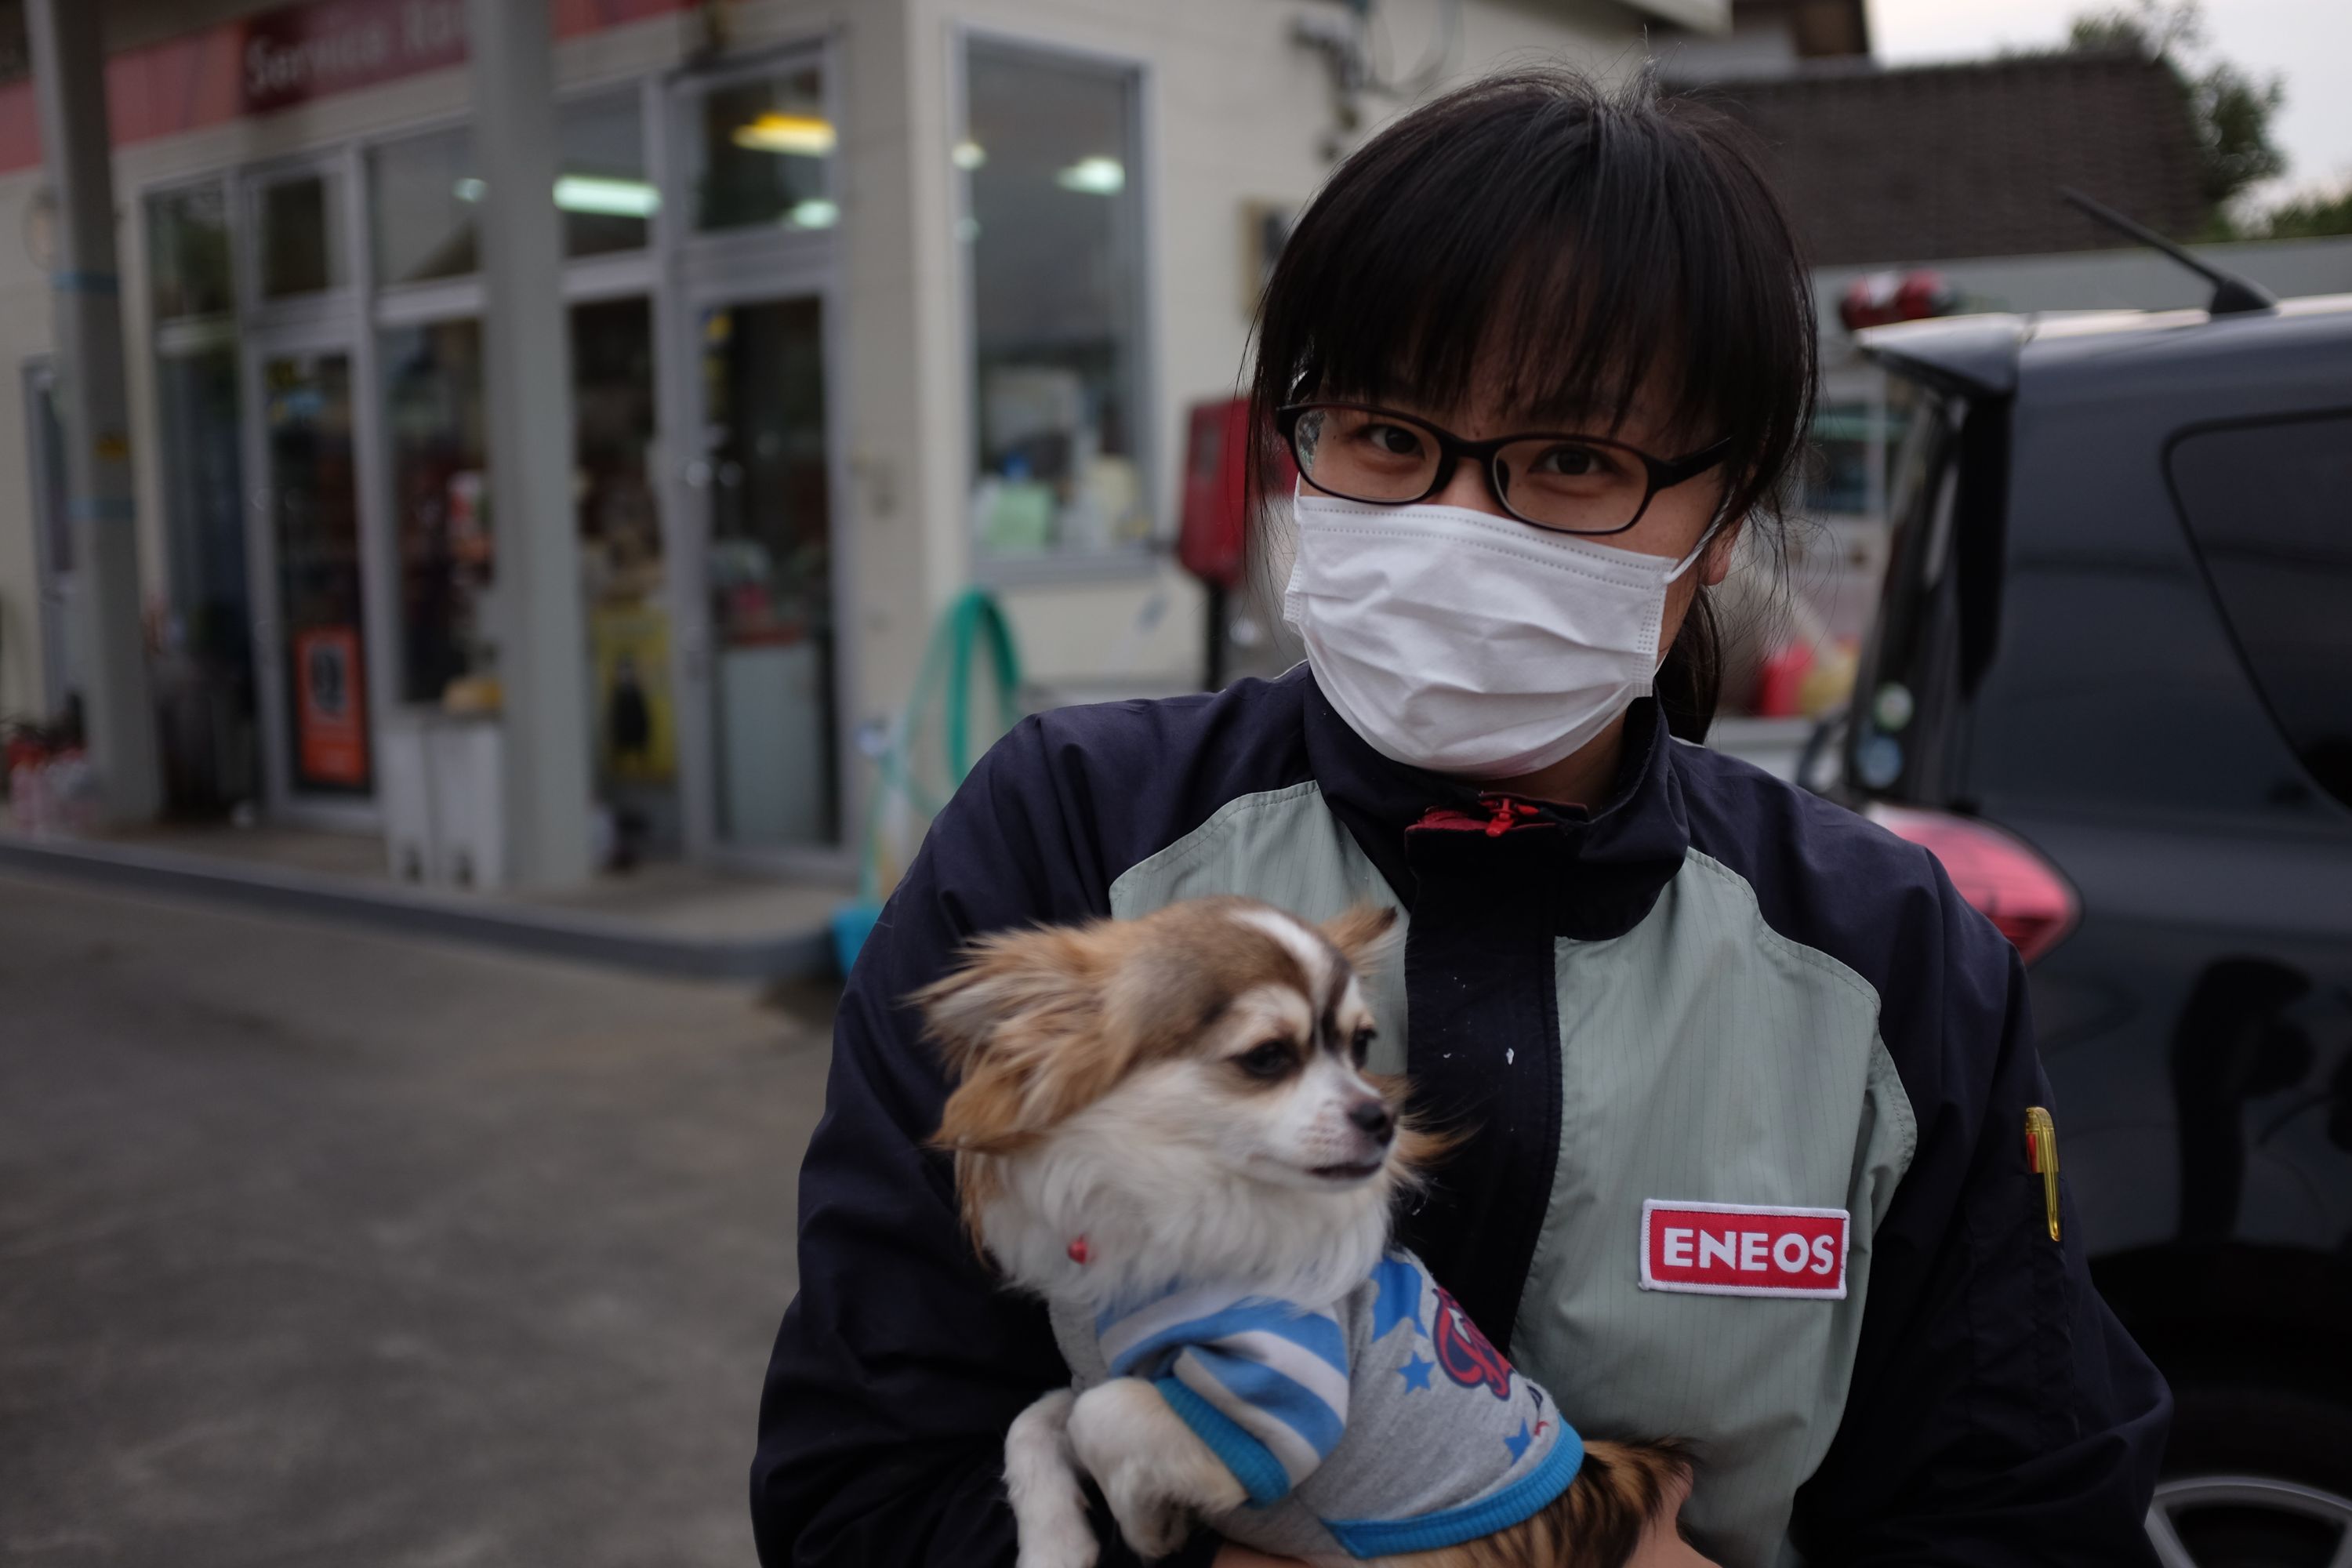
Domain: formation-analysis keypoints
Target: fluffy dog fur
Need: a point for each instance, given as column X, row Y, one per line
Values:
column 1183, row 1098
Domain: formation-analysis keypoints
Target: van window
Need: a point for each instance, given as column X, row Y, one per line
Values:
column 1910, row 668
column 2269, row 508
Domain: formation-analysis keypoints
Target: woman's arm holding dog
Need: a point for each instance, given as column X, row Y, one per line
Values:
column 900, row 1365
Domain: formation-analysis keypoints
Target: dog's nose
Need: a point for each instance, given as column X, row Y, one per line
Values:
column 1373, row 1119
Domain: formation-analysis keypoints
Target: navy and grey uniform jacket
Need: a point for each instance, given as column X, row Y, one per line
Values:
column 1716, row 989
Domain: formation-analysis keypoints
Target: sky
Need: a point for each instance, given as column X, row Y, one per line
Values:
column 2308, row 41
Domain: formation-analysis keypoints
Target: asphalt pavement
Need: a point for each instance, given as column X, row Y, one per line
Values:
column 319, row 1246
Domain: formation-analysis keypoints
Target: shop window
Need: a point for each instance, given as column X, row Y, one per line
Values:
column 53, row 542
column 1840, row 478
column 769, row 562
column 603, row 188
column 187, row 253
column 2266, row 505
column 312, row 485
column 209, row 738
column 1053, row 234
column 763, row 150
column 622, row 565
column 434, row 415
column 423, row 194
column 298, row 237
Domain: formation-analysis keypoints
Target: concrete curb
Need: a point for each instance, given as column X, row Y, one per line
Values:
column 521, row 928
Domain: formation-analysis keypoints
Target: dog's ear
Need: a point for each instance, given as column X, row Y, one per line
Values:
column 1021, row 1027
column 1007, row 976
column 1364, row 935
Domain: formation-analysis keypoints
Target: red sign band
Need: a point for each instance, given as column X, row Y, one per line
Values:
column 1743, row 1249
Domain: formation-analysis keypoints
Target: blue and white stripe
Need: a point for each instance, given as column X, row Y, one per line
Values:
column 1276, row 1372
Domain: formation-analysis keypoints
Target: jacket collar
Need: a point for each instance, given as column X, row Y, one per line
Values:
column 1604, row 869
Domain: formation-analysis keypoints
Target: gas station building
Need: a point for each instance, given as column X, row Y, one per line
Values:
column 355, row 490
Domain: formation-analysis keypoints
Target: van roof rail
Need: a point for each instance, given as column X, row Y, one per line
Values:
column 2232, row 295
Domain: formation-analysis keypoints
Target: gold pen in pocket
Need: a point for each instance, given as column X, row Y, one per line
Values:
column 2042, row 1156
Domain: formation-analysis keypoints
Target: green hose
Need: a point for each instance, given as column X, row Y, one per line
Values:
column 974, row 623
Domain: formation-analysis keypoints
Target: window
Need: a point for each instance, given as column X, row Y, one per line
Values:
column 433, row 412
column 1840, row 479
column 187, row 253
column 423, row 193
column 2270, row 508
column 763, row 151
column 311, row 482
column 1053, row 235
column 1909, row 670
column 770, row 573
column 621, row 561
column 298, row 235
column 601, row 186
column 53, row 553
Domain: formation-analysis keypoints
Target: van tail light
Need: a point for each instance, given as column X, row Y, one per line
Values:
column 2003, row 879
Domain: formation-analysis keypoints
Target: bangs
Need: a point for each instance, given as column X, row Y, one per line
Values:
column 1574, row 256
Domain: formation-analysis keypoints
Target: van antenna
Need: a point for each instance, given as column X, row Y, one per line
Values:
column 2232, row 295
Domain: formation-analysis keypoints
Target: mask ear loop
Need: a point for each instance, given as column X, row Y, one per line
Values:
column 1722, row 520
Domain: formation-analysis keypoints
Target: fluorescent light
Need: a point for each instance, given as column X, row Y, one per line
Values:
column 969, row 154
column 815, row 213
column 1096, row 176
column 606, row 197
column 795, row 135
column 586, row 194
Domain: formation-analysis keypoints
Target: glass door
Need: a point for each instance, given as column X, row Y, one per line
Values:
column 768, row 572
column 311, row 637
column 53, row 541
column 624, row 564
column 211, row 747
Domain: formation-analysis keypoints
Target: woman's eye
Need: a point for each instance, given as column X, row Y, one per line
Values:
column 1361, row 1045
column 1391, row 441
column 1268, row 1059
column 1570, row 462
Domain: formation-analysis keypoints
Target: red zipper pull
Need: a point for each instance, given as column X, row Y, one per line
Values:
column 1504, row 811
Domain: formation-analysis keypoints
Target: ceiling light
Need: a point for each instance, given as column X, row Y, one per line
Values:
column 1098, row 176
column 815, row 213
column 585, row 194
column 606, row 197
column 969, row 154
column 795, row 135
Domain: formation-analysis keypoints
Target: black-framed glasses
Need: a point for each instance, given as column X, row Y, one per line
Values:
column 1568, row 483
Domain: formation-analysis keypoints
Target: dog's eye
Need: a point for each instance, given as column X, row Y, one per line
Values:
column 1267, row 1059
column 1361, row 1045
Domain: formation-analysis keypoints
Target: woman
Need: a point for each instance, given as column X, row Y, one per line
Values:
column 1540, row 354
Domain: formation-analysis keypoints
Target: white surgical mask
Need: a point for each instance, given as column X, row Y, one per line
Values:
column 1467, row 643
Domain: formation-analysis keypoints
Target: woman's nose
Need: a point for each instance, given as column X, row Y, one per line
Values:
column 1466, row 488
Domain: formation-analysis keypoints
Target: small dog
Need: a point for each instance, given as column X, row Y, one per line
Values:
column 1165, row 1128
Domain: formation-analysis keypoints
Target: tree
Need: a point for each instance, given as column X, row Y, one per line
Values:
column 2230, row 109
column 2310, row 216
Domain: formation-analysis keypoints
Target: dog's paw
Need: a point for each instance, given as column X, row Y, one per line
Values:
column 1156, row 1474
column 1066, row 1541
column 1049, row 1511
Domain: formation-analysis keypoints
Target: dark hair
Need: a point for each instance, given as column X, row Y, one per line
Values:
column 1580, row 246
